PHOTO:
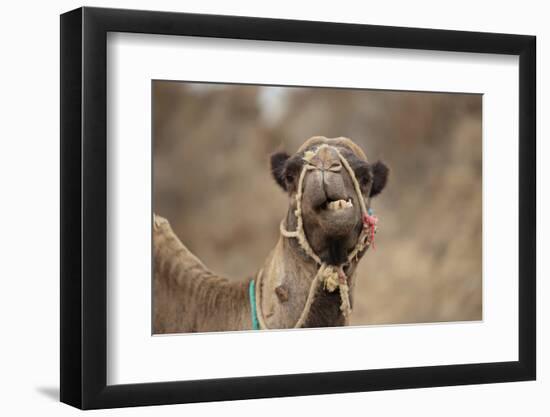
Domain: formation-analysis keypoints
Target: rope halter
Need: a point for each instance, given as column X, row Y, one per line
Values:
column 331, row 276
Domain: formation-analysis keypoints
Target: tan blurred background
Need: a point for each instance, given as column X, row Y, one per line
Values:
column 212, row 181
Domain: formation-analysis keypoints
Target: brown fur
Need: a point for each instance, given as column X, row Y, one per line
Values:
column 187, row 296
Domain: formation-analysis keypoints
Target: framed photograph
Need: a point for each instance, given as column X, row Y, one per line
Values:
column 257, row 208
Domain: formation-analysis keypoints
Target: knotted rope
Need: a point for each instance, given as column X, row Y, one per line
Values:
column 331, row 276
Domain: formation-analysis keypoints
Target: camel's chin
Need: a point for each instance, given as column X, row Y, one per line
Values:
column 338, row 222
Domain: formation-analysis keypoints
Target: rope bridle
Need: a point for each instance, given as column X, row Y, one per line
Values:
column 331, row 276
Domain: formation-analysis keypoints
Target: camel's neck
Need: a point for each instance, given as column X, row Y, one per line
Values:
column 188, row 296
column 284, row 283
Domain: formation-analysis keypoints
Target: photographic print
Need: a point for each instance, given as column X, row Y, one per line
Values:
column 354, row 190
column 279, row 207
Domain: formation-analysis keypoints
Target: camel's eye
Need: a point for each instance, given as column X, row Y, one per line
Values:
column 289, row 177
column 292, row 169
column 363, row 174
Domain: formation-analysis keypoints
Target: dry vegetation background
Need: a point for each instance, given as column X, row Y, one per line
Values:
column 212, row 181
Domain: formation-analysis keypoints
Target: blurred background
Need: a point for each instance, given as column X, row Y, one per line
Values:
column 212, row 181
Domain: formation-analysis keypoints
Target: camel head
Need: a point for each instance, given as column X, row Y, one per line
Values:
column 331, row 212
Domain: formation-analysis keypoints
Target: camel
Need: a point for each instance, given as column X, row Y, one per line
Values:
column 308, row 278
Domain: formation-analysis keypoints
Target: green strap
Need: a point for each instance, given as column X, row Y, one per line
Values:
column 252, row 298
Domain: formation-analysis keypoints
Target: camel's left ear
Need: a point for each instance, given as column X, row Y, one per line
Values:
column 380, row 174
column 278, row 161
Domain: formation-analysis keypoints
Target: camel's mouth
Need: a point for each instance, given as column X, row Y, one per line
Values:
column 337, row 217
column 337, row 205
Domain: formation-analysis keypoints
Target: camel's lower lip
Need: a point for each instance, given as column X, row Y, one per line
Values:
column 338, row 222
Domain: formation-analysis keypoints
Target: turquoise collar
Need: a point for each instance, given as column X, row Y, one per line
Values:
column 253, row 312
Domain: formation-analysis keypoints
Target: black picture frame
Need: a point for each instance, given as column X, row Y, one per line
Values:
column 84, row 207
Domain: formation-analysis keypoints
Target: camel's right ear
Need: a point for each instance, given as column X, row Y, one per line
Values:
column 380, row 172
column 278, row 161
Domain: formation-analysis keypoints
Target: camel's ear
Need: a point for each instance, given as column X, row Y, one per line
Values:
column 380, row 174
column 278, row 161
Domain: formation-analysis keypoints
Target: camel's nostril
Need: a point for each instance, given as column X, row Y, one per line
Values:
column 335, row 167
